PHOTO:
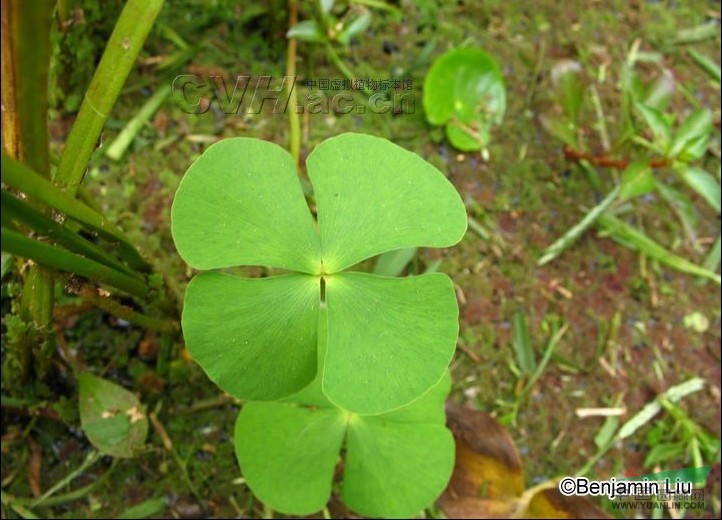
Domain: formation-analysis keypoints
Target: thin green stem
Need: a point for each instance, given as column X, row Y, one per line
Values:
column 336, row 59
column 293, row 119
column 90, row 459
column 126, row 313
column 30, row 24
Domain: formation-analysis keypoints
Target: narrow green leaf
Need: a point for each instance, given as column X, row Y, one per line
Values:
column 53, row 257
column 393, row 263
column 373, row 196
column 288, row 454
column 683, row 207
column 522, row 345
column 147, row 508
column 565, row 77
column 663, row 452
column 118, row 59
column 606, row 434
column 707, row 64
column 554, row 250
column 659, row 92
column 130, row 130
column 661, row 128
column 355, row 28
column 36, row 187
column 647, row 413
column 45, row 226
column 307, row 31
column 327, row 5
column 256, row 338
column 637, row 180
column 562, row 130
column 112, row 418
column 390, row 339
column 696, row 34
column 241, row 203
column 641, row 242
column 695, row 129
column 704, row 184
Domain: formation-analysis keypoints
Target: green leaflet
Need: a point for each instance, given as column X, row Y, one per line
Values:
column 255, row 338
column 395, row 464
column 373, row 196
column 241, row 203
column 390, row 339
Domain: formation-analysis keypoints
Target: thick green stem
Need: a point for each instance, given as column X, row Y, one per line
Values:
column 18, row 244
column 120, row 54
column 30, row 28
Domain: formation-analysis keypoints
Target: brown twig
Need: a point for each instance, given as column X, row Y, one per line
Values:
column 609, row 162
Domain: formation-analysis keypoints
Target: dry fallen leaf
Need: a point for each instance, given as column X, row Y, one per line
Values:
column 488, row 481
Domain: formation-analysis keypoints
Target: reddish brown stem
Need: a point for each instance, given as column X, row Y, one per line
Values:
column 609, row 162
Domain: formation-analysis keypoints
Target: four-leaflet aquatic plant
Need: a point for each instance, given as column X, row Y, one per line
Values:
column 346, row 356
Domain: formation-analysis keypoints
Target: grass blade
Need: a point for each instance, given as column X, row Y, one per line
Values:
column 131, row 129
column 639, row 241
column 45, row 226
column 22, row 178
column 522, row 345
column 554, row 250
column 55, row 258
column 393, row 263
column 706, row 64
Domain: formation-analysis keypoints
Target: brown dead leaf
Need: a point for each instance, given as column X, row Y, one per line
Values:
column 488, row 480
column 35, row 465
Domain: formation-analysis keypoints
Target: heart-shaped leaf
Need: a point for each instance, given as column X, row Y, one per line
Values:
column 112, row 417
column 465, row 91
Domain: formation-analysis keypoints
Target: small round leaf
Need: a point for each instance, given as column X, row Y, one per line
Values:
column 465, row 91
